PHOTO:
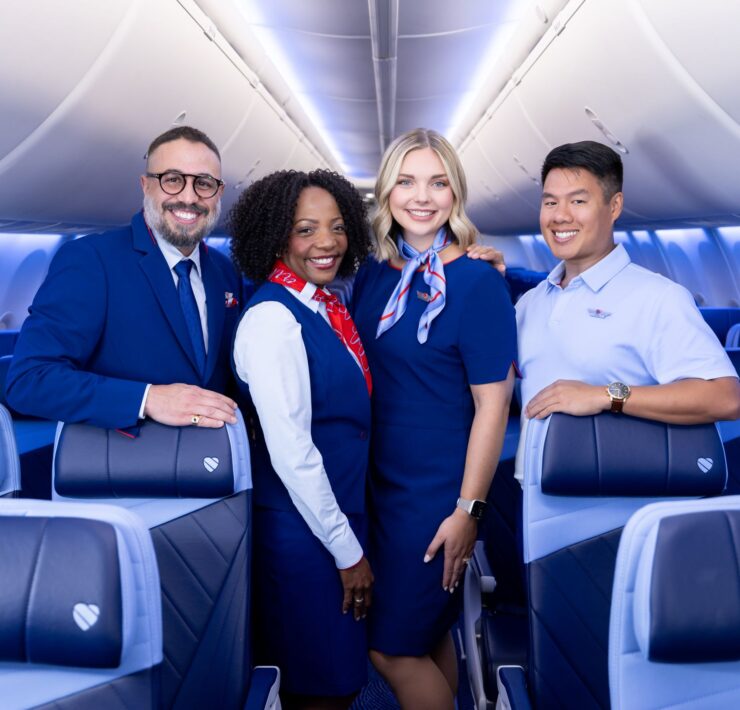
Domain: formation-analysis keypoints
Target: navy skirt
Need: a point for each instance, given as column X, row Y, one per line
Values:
column 297, row 608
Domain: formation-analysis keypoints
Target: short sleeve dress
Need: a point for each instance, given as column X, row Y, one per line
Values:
column 422, row 411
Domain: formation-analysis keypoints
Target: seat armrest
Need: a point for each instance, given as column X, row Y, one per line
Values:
column 512, row 689
column 264, row 687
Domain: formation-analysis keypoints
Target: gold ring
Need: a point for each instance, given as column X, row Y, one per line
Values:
column 359, row 600
column 195, row 418
column 465, row 560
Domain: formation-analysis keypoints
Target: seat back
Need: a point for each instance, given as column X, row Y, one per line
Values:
column 80, row 618
column 192, row 486
column 720, row 320
column 675, row 617
column 583, row 478
column 10, row 470
column 733, row 336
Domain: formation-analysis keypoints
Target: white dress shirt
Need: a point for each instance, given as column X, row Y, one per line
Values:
column 270, row 357
column 173, row 256
column 615, row 322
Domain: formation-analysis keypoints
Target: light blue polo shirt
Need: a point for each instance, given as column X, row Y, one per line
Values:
column 614, row 322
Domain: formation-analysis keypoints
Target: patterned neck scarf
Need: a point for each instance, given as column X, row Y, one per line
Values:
column 339, row 317
column 434, row 276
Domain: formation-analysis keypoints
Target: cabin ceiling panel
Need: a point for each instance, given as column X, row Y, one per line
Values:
column 443, row 16
column 426, row 69
column 642, row 98
column 47, row 53
column 321, row 57
column 704, row 39
column 324, row 17
column 350, row 116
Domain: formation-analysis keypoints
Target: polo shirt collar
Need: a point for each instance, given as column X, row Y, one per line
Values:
column 597, row 276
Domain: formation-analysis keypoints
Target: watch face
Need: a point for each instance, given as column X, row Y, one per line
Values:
column 477, row 510
column 618, row 390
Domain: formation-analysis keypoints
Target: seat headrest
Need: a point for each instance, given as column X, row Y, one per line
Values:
column 161, row 461
column 615, row 455
column 61, row 589
column 10, row 471
column 687, row 589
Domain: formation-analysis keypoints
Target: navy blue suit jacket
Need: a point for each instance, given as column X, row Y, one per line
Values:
column 107, row 320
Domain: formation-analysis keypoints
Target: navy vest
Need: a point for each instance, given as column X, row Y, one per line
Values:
column 340, row 425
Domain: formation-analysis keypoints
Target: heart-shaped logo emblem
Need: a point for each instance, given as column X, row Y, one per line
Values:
column 210, row 463
column 705, row 465
column 85, row 615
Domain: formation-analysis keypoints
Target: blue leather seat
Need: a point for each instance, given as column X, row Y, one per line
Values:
column 720, row 320
column 733, row 337
column 7, row 341
column 192, row 487
column 10, row 470
column 80, row 618
column 583, row 478
column 675, row 618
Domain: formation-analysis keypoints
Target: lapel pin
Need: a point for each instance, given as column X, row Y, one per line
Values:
column 231, row 302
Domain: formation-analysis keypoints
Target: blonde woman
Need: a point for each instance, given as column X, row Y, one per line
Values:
column 440, row 338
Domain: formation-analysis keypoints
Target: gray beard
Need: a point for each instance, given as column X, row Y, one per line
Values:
column 181, row 238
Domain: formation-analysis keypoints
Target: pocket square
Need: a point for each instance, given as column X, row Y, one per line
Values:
column 231, row 302
column 598, row 313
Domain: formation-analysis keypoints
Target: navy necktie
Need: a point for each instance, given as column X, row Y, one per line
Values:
column 190, row 311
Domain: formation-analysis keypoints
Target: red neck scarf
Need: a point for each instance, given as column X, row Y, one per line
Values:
column 339, row 317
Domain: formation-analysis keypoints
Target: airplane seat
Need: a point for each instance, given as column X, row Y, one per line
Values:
column 675, row 617
column 80, row 619
column 192, row 487
column 734, row 355
column 583, row 478
column 733, row 337
column 720, row 320
column 7, row 341
column 5, row 361
column 10, row 469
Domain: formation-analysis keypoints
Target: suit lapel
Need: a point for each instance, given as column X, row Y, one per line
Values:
column 155, row 268
column 213, row 282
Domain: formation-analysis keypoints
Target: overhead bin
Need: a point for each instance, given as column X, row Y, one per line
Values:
column 123, row 71
column 621, row 73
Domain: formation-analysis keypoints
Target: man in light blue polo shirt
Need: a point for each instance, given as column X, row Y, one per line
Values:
column 602, row 333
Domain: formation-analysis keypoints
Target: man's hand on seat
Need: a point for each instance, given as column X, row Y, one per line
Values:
column 180, row 405
column 570, row 397
column 493, row 256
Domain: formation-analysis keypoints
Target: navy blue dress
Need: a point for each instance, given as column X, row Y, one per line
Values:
column 422, row 413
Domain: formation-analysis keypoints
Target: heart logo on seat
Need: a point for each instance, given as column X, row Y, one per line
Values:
column 210, row 463
column 704, row 464
column 85, row 615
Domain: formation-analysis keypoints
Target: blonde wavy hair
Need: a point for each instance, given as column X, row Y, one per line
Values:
column 385, row 227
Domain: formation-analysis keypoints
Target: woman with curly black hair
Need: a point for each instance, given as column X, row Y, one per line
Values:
column 299, row 361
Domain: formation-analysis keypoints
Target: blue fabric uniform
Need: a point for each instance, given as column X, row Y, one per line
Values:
column 107, row 320
column 297, row 589
column 422, row 414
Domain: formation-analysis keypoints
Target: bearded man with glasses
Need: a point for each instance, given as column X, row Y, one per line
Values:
column 137, row 322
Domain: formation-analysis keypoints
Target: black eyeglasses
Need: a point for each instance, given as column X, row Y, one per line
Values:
column 173, row 183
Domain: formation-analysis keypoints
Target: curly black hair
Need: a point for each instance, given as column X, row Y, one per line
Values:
column 261, row 220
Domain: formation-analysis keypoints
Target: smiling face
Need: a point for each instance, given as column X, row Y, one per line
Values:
column 576, row 219
column 182, row 219
column 421, row 200
column 318, row 238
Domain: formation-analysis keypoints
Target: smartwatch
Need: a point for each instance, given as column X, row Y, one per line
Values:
column 474, row 508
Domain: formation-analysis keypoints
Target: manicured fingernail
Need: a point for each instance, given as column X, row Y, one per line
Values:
column 445, row 588
column 457, row 584
column 427, row 558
